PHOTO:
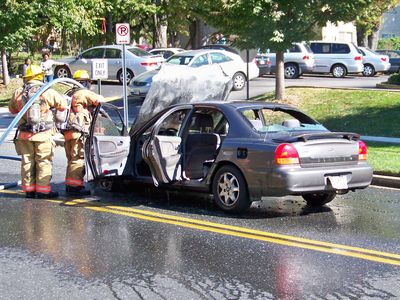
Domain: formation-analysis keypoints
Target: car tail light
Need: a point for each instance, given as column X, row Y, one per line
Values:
column 358, row 58
column 149, row 64
column 286, row 154
column 383, row 59
column 305, row 57
column 362, row 151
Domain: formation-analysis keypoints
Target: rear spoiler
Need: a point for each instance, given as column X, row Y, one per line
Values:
column 310, row 136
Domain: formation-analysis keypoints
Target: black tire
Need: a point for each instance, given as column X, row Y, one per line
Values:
column 318, row 199
column 291, row 71
column 110, row 185
column 239, row 81
column 369, row 70
column 129, row 76
column 339, row 71
column 62, row 72
column 230, row 190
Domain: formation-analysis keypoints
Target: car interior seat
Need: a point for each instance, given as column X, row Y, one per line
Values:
column 200, row 147
column 292, row 123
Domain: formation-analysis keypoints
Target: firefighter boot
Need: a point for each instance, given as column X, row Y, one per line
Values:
column 76, row 191
column 47, row 195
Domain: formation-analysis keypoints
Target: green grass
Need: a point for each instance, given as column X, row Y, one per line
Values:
column 375, row 113
column 6, row 92
column 384, row 158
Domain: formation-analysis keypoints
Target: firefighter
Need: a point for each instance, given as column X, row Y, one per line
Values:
column 82, row 103
column 34, row 141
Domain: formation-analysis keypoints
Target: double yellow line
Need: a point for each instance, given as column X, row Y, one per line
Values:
column 286, row 240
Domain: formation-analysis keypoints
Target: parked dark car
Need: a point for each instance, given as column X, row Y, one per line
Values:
column 238, row 151
column 394, row 59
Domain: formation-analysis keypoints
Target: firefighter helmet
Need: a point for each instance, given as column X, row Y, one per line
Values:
column 34, row 72
column 81, row 75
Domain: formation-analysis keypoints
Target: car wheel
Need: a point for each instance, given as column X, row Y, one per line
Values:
column 62, row 72
column 239, row 80
column 339, row 71
column 129, row 76
column 291, row 71
column 230, row 190
column 318, row 199
column 110, row 185
column 369, row 70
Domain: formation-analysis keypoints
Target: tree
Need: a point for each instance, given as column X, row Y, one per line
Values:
column 15, row 27
column 276, row 24
column 369, row 21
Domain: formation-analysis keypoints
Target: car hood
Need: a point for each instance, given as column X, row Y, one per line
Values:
column 146, row 76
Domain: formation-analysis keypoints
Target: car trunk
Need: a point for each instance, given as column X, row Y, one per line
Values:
column 325, row 148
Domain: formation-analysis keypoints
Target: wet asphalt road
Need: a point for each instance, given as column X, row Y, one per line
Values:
column 137, row 246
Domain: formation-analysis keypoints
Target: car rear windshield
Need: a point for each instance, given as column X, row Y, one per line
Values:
column 180, row 60
column 282, row 121
column 139, row 52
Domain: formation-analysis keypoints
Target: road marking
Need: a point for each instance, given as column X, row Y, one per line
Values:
column 286, row 240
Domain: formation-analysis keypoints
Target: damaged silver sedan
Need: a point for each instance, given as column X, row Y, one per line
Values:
column 237, row 151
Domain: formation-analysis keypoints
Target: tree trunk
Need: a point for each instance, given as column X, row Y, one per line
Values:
column 373, row 39
column 279, row 77
column 6, row 76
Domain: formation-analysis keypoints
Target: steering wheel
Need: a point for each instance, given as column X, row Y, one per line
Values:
column 171, row 132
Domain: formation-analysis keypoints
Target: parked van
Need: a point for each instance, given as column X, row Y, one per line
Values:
column 338, row 58
column 298, row 59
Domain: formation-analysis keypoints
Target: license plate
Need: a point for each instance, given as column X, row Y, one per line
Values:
column 261, row 62
column 136, row 92
column 338, row 182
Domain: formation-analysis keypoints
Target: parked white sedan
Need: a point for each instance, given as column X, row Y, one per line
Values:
column 374, row 62
column 137, row 62
column 230, row 63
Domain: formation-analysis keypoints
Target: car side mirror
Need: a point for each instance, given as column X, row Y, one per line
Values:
column 79, row 56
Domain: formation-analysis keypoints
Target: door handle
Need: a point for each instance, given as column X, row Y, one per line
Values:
column 120, row 143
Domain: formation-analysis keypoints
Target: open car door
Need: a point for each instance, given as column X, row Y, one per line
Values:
column 163, row 151
column 107, row 148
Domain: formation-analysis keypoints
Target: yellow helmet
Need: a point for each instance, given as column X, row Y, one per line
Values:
column 81, row 75
column 33, row 72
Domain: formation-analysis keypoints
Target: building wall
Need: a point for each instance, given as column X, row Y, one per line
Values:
column 342, row 32
column 390, row 26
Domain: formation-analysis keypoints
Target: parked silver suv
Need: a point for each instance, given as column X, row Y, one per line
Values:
column 338, row 58
column 299, row 59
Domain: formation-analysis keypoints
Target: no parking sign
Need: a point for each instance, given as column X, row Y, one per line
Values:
column 122, row 31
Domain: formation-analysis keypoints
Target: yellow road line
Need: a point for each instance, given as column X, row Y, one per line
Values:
column 286, row 240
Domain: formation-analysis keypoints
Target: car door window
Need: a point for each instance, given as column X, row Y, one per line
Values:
column 172, row 125
column 319, row 48
column 108, row 123
column 340, row 48
column 93, row 53
column 113, row 53
column 202, row 60
column 293, row 49
column 217, row 58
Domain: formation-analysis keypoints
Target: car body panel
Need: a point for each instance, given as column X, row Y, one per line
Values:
column 394, row 59
column 380, row 62
column 113, row 53
column 140, row 86
column 299, row 54
column 326, row 56
column 163, row 158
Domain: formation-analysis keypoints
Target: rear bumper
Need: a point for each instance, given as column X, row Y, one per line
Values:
column 356, row 68
column 297, row 180
column 307, row 68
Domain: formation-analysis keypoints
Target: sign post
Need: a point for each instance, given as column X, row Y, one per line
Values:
column 123, row 38
column 99, row 71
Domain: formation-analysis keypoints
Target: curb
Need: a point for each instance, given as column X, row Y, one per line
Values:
column 384, row 85
column 386, row 181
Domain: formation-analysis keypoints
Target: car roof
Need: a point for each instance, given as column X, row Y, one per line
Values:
column 113, row 47
column 162, row 49
column 241, row 104
column 200, row 51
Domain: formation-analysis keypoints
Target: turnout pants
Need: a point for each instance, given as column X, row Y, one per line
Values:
column 76, row 164
column 36, row 165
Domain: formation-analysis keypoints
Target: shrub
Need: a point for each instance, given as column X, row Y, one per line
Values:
column 389, row 44
column 394, row 79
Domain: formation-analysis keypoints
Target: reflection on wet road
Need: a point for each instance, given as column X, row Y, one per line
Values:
column 148, row 246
